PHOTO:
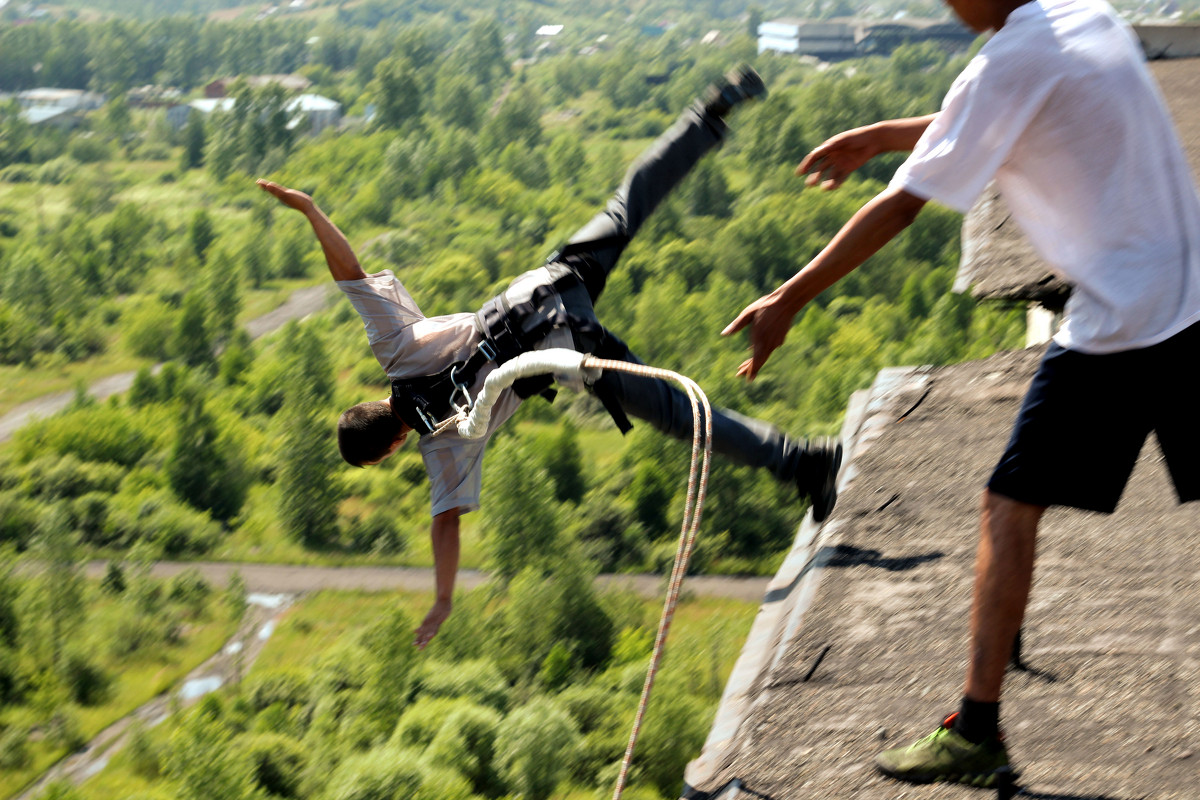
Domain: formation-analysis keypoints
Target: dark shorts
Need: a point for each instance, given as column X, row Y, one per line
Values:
column 1086, row 417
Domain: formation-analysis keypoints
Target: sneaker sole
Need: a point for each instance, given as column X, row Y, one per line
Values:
column 989, row 780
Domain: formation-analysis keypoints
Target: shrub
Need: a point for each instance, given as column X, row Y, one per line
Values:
column 12, row 681
column 58, row 477
column 14, row 747
column 58, row 170
column 98, row 433
column 277, row 762
column 145, row 757
column 190, row 590
column 89, row 149
column 381, row 774
column 147, row 327
column 478, row 680
column 132, row 631
column 289, row 687
column 62, row 730
column 156, row 518
column 537, row 742
column 422, row 720
column 89, row 517
column 466, row 742
column 86, row 681
column 18, row 519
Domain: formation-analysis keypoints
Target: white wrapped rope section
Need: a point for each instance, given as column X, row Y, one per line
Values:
column 473, row 423
column 526, row 365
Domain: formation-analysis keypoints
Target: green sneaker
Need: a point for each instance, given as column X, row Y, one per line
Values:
column 945, row 755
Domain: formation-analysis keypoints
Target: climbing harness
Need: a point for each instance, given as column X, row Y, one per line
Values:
column 507, row 330
column 473, row 423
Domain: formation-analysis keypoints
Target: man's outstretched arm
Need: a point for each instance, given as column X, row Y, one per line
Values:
column 770, row 317
column 831, row 162
column 444, row 534
column 343, row 264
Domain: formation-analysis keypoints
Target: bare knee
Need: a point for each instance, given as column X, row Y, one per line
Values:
column 1006, row 518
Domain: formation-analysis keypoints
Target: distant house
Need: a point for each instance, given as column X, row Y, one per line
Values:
column 314, row 110
column 838, row 39
column 153, row 96
column 61, row 107
column 292, row 83
column 321, row 112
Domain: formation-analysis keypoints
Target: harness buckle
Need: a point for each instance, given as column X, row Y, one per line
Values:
column 430, row 423
column 488, row 351
column 459, row 387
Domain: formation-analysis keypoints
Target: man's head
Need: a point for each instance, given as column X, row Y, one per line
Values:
column 369, row 432
column 984, row 15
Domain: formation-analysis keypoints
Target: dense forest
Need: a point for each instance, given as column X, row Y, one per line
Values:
column 471, row 148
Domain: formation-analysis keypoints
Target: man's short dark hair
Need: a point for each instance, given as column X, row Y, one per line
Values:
column 366, row 431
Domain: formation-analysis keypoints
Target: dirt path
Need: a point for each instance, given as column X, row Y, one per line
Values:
column 227, row 666
column 289, row 579
column 299, row 304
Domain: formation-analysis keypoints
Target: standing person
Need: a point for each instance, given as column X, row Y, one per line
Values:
column 1059, row 108
column 432, row 360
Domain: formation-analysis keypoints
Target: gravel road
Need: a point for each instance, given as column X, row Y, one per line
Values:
column 299, row 304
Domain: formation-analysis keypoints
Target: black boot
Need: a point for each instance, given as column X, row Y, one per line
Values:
column 816, row 476
column 739, row 85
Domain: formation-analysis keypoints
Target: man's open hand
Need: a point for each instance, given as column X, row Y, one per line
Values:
column 769, row 321
column 831, row 162
column 433, row 622
column 289, row 197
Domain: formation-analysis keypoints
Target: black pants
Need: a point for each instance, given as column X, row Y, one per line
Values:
column 592, row 254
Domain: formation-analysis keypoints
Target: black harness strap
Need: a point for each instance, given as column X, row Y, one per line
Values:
column 607, row 346
column 421, row 402
column 507, row 330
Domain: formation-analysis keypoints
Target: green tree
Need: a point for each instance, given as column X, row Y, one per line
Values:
column 194, row 140
column 309, row 491
column 202, row 761
column 223, row 284
column 519, row 517
column 190, row 340
column 518, row 121
column 537, row 741
column 57, row 602
column 397, row 92
column 203, row 469
column 201, row 234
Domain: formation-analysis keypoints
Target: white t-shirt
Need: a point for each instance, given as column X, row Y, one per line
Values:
column 1061, row 110
column 408, row 344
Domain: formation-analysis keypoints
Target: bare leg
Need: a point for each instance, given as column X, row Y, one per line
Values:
column 1003, row 576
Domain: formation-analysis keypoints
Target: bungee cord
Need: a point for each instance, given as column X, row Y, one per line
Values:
column 471, row 421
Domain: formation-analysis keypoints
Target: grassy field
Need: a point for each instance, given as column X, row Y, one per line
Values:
column 136, row 679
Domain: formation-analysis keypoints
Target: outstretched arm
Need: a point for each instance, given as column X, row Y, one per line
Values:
column 343, row 264
column 444, row 533
column 770, row 317
column 831, row 162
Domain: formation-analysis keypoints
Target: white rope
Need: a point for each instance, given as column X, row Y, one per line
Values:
column 473, row 423
column 687, row 535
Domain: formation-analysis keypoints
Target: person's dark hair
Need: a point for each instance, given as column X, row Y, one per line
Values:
column 366, row 431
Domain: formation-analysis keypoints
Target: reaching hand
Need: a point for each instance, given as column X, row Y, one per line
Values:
column 833, row 161
column 289, row 197
column 433, row 622
column 769, row 322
